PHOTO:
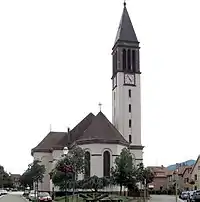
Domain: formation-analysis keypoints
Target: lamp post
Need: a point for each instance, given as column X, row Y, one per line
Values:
column 176, row 181
column 65, row 152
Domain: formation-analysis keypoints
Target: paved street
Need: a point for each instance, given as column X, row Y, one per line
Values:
column 12, row 197
column 163, row 198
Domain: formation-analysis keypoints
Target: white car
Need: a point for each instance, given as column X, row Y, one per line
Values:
column 32, row 195
column 44, row 196
column 3, row 192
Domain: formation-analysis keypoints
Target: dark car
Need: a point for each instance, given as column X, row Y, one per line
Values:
column 190, row 196
column 196, row 196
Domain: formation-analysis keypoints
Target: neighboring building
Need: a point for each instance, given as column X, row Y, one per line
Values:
column 187, row 178
column 181, row 176
column 160, row 178
column 16, row 180
column 195, row 174
column 170, row 179
column 102, row 139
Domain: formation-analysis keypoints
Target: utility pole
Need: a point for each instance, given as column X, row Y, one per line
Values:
column 145, row 189
column 176, row 187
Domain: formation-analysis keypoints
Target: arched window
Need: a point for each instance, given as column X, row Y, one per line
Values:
column 87, row 164
column 129, row 60
column 106, row 164
column 124, row 59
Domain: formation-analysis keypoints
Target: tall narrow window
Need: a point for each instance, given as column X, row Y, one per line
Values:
column 106, row 164
column 134, row 60
column 130, row 139
column 114, row 62
column 87, row 164
column 129, row 107
column 129, row 60
column 124, row 59
column 129, row 92
column 129, row 123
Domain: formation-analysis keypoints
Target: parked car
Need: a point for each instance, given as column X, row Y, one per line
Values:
column 184, row 195
column 26, row 193
column 3, row 192
column 190, row 196
column 196, row 196
column 32, row 195
column 44, row 196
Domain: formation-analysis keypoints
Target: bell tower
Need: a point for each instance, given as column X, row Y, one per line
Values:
column 126, row 92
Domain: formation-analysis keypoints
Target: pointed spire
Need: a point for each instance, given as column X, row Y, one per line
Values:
column 124, row 3
column 126, row 31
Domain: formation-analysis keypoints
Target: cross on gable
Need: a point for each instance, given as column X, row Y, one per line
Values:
column 100, row 106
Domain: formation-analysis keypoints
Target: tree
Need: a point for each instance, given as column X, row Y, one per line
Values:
column 33, row 174
column 5, row 179
column 124, row 172
column 68, row 168
column 144, row 174
column 94, row 183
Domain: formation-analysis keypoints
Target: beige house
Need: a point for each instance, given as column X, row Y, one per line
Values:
column 187, row 178
column 181, row 177
column 195, row 174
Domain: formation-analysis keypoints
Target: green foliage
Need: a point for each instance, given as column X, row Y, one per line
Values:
column 34, row 173
column 144, row 174
column 124, row 172
column 5, row 178
column 94, row 183
column 76, row 161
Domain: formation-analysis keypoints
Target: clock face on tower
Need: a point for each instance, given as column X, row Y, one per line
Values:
column 129, row 79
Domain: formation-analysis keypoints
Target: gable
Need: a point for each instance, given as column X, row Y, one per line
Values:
column 195, row 167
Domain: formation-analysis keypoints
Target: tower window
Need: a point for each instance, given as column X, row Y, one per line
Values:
column 130, row 138
column 129, row 92
column 134, row 60
column 114, row 62
column 129, row 59
column 129, row 107
column 130, row 123
column 124, row 59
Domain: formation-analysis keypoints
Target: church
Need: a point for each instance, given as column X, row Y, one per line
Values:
column 103, row 140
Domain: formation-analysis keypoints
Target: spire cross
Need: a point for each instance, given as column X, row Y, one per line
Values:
column 100, row 106
column 124, row 2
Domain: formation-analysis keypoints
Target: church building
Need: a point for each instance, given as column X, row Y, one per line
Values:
column 103, row 140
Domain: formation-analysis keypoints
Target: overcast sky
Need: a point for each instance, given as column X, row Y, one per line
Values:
column 56, row 66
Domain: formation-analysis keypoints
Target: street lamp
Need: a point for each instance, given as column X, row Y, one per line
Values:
column 65, row 152
column 176, row 181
